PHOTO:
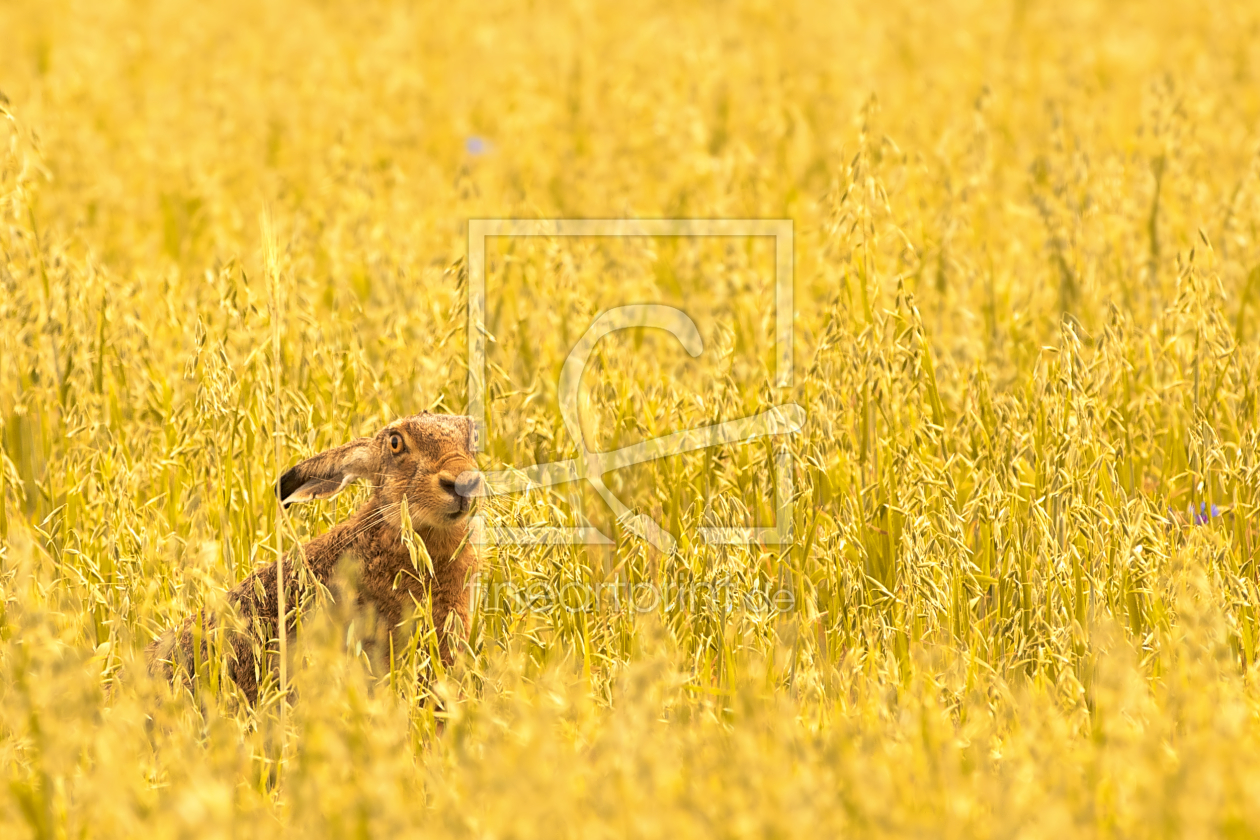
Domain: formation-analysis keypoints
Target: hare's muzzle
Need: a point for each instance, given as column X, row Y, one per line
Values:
column 468, row 486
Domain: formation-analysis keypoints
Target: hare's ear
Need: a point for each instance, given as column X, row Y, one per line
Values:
column 328, row 473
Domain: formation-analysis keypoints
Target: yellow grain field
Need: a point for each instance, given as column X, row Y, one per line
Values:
column 1020, row 594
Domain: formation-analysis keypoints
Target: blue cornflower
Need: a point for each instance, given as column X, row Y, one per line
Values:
column 1202, row 517
column 475, row 145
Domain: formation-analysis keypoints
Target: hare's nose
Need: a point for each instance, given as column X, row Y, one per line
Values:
column 469, row 484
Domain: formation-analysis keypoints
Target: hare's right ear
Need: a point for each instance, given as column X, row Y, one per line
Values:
column 328, row 473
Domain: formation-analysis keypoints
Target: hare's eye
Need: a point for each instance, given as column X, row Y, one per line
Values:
column 395, row 443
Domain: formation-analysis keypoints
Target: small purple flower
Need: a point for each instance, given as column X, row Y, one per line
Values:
column 1202, row 517
column 475, row 145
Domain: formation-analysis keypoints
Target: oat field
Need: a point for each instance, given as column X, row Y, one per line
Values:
column 1020, row 597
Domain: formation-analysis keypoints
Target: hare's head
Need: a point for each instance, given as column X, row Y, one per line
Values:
column 426, row 459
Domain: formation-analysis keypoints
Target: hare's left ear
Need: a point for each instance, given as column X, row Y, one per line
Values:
column 328, row 473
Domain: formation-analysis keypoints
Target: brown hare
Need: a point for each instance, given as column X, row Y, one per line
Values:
column 425, row 461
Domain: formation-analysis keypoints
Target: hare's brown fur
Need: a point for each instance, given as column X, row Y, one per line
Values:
column 426, row 460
